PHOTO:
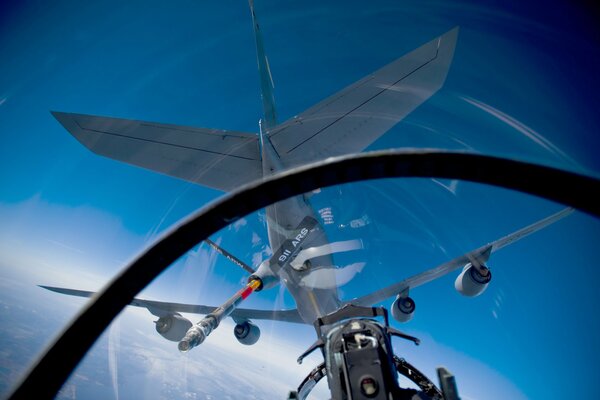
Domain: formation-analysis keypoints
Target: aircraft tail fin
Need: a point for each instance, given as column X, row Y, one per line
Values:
column 266, row 79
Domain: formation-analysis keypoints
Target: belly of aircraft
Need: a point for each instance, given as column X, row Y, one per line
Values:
column 312, row 302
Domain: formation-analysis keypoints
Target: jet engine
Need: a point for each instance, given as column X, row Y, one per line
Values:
column 471, row 282
column 173, row 327
column 246, row 333
column 403, row 308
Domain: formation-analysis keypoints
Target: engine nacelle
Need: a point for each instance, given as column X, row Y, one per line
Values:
column 246, row 333
column 173, row 327
column 471, row 282
column 403, row 308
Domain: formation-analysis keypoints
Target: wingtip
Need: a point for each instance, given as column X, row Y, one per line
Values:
column 67, row 120
column 52, row 288
column 452, row 33
column 59, row 115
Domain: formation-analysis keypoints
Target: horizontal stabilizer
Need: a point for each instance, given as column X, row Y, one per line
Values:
column 355, row 117
column 222, row 160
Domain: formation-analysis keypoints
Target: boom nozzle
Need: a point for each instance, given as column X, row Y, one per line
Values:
column 199, row 332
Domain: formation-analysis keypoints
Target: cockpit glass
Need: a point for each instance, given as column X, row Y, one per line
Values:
column 379, row 233
column 155, row 114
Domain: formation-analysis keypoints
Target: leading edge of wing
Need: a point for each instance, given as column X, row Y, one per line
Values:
column 160, row 308
column 479, row 255
column 353, row 118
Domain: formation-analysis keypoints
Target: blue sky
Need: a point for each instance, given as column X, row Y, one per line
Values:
column 523, row 84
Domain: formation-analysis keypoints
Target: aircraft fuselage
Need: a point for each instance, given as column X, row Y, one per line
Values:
column 283, row 218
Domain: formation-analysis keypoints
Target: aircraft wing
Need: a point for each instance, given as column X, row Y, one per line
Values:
column 353, row 118
column 222, row 160
column 479, row 255
column 160, row 308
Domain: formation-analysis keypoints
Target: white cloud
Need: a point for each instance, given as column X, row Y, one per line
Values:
column 240, row 223
column 45, row 243
column 264, row 253
column 256, row 240
column 221, row 367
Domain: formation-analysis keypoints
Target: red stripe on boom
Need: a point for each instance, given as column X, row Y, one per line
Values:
column 247, row 292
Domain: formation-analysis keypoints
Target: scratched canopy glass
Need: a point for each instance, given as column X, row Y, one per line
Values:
column 522, row 84
column 379, row 233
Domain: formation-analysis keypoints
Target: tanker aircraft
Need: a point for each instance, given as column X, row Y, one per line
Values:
column 344, row 123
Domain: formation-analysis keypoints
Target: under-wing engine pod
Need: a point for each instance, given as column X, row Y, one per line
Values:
column 473, row 281
column 403, row 308
column 173, row 326
column 247, row 333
